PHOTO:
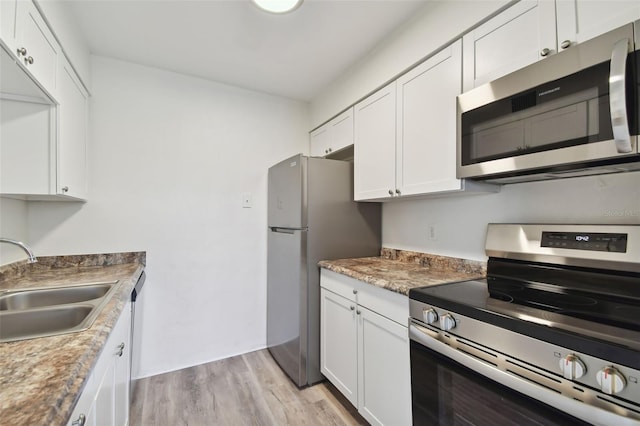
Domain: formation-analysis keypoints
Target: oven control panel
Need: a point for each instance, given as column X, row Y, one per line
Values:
column 592, row 241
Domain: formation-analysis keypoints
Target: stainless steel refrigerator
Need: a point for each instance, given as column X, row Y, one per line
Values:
column 311, row 217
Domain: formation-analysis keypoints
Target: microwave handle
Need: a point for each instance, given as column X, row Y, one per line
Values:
column 618, row 98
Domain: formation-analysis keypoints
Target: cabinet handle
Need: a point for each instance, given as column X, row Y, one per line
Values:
column 390, row 192
column 330, row 150
column 358, row 312
column 21, row 51
column 326, row 151
column 545, row 52
column 80, row 421
column 398, row 191
column 65, row 189
column 352, row 307
column 29, row 60
column 565, row 44
column 355, row 291
column 121, row 347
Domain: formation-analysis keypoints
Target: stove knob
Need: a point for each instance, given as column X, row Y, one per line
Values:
column 611, row 381
column 571, row 367
column 429, row 316
column 447, row 322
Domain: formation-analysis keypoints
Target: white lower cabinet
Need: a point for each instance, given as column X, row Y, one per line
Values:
column 364, row 347
column 105, row 398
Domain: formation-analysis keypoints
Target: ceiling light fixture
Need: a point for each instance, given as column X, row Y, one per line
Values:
column 278, row 6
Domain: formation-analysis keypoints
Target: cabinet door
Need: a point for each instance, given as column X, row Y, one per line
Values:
column 122, row 369
column 580, row 20
column 339, row 343
column 341, row 131
column 384, row 388
column 375, row 145
column 319, row 141
column 33, row 34
column 511, row 40
column 72, row 141
column 426, row 139
column 8, row 23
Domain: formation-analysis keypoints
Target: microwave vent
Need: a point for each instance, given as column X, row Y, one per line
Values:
column 524, row 101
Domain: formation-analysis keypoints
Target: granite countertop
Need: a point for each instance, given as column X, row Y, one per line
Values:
column 41, row 379
column 401, row 270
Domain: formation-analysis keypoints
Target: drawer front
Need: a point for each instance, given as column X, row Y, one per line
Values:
column 339, row 284
column 387, row 303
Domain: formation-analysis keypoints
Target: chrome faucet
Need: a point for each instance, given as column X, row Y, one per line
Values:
column 23, row 246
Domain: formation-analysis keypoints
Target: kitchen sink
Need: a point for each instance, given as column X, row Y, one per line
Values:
column 27, row 299
column 41, row 312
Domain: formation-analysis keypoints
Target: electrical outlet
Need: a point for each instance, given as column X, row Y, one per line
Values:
column 432, row 232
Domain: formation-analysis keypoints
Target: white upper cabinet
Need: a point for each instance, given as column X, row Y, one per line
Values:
column 375, row 145
column 405, row 140
column 581, row 20
column 333, row 136
column 8, row 22
column 519, row 36
column 426, row 124
column 72, row 136
column 531, row 30
column 35, row 46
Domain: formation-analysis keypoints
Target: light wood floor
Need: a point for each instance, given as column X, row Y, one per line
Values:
column 248, row 389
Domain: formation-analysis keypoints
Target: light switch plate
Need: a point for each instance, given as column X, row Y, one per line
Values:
column 247, row 200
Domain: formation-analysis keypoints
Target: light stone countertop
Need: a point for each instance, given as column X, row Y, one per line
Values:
column 41, row 379
column 400, row 270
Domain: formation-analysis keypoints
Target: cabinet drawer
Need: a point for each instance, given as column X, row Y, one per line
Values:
column 387, row 303
column 339, row 284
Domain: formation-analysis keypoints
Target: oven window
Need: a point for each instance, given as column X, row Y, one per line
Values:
column 446, row 393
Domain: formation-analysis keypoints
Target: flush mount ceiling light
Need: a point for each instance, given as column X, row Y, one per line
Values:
column 278, row 6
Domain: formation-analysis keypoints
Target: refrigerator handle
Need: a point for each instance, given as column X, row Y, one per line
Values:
column 283, row 230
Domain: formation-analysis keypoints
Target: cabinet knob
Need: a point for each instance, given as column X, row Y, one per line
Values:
column 355, row 291
column 397, row 192
column 358, row 312
column 330, row 150
column 545, row 52
column 565, row 44
column 121, row 349
column 326, row 151
column 21, row 51
column 29, row 60
column 390, row 192
column 80, row 421
column 65, row 189
column 352, row 307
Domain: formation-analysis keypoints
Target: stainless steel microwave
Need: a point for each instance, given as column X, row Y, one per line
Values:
column 576, row 113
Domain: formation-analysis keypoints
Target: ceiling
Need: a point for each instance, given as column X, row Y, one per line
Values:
column 294, row 55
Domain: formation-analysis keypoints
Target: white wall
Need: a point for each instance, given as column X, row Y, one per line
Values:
column 169, row 158
column 438, row 24
column 13, row 224
column 461, row 222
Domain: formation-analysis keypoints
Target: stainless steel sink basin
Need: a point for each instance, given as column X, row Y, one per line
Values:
column 41, row 312
column 28, row 299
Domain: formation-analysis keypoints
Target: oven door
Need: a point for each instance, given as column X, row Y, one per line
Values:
column 449, row 387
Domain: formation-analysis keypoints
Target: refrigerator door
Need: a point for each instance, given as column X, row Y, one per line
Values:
column 286, row 204
column 286, row 301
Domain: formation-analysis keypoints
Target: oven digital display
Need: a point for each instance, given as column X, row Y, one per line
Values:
column 594, row 241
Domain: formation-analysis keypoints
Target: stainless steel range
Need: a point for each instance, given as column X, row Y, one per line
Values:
column 552, row 336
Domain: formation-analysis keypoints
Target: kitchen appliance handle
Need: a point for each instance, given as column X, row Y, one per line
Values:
column 618, row 97
column 285, row 230
column 424, row 336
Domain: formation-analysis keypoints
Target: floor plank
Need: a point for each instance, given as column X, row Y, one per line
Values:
column 248, row 389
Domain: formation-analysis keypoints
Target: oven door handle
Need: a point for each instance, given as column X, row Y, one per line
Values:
column 597, row 416
column 618, row 97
